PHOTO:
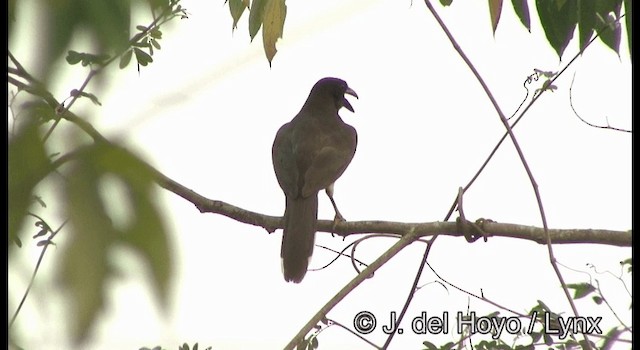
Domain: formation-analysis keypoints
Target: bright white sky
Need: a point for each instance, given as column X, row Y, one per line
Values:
column 206, row 111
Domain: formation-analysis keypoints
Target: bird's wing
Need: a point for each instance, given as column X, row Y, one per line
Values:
column 330, row 161
column 284, row 161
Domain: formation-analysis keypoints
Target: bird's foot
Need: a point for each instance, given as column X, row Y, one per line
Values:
column 338, row 218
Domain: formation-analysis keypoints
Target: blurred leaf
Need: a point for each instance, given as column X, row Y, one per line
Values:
column 495, row 8
column 256, row 16
column 85, row 264
column 446, row 2
column 90, row 96
column 581, row 289
column 125, row 59
column 27, row 165
column 84, row 270
column 521, row 7
column 611, row 338
column 11, row 14
column 236, row 7
column 274, row 15
column 147, row 234
column 109, row 20
column 558, row 19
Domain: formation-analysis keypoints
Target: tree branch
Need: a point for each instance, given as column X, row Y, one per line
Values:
column 424, row 229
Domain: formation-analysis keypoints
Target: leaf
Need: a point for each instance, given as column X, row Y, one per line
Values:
column 581, row 289
column 612, row 35
column 256, row 16
column 522, row 10
column 558, row 20
column 125, row 59
column 147, row 234
column 109, row 20
column 28, row 164
column 73, row 57
column 495, row 8
column 274, row 15
column 155, row 44
column 236, row 7
column 142, row 57
column 586, row 21
column 84, row 267
column 92, row 97
column 155, row 33
column 611, row 338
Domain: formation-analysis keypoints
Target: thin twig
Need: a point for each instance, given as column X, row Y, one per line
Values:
column 35, row 272
column 582, row 119
column 382, row 259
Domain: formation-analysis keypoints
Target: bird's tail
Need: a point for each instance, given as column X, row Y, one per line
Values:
column 300, row 219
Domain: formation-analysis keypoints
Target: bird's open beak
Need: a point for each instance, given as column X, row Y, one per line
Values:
column 345, row 102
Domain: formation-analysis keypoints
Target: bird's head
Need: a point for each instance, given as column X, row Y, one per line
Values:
column 335, row 89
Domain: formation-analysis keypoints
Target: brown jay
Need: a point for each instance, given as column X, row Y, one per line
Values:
column 309, row 154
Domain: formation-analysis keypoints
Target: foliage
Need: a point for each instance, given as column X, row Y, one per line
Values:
column 94, row 171
column 94, row 232
column 559, row 19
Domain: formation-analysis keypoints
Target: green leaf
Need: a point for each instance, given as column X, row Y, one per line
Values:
column 612, row 36
column 91, row 96
column 627, row 262
column 73, row 57
column 84, row 267
column 604, row 18
column 147, row 234
column 155, row 44
column 256, row 16
column 142, row 57
column 596, row 299
column 125, row 59
column 155, row 33
column 274, row 15
column 558, row 19
column 611, row 338
column 429, row 345
column 586, row 21
column 521, row 7
column 581, row 289
column 446, row 2
column 495, row 8
column 236, row 7
column 28, row 164
column 109, row 20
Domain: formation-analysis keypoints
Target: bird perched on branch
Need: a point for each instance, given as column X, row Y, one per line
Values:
column 309, row 154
